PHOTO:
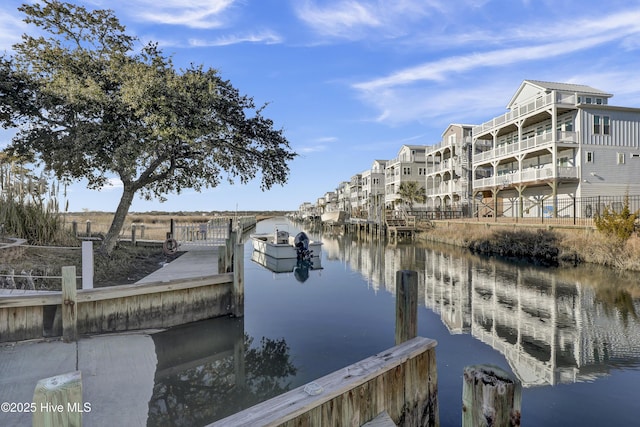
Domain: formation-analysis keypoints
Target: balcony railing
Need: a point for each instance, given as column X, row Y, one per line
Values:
column 525, row 144
column 447, row 187
column 527, row 175
column 523, row 110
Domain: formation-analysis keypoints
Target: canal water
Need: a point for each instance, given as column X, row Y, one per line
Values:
column 570, row 335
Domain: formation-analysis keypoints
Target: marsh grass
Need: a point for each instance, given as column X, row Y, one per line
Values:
column 570, row 246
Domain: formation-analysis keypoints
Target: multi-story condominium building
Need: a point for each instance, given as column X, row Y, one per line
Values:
column 355, row 193
column 557, row 141
column 449, row 172
column 344, row 196
column 409, row 165
column 328, row 203
column 373, row 190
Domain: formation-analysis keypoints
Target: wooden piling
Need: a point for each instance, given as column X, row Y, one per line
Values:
column 133, row 234
column 490, row 397
column 406, row 305
column 57, row 401
column 238, row 280
column 222, row 255
column 69, row 304
column 88, row 228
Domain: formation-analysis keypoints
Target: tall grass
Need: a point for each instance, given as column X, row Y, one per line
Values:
column 29, row 207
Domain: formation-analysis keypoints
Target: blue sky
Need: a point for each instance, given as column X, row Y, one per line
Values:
column 350, row 81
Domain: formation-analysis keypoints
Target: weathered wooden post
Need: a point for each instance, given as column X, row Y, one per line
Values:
column 229, row 251
column 87, row 265
column 222, row 254
column 133, row 234
column 406, row 305
column 57, row 401
column 88, row 228
column 490, row 397
column 74, row 228
column 172, row 228
column 238, row 280
column 69, row 311
column 142, row 227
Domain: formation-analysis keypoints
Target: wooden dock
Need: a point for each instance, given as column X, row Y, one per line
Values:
column 401, row 381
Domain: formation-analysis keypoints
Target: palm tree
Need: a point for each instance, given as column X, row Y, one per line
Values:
column 411, row 192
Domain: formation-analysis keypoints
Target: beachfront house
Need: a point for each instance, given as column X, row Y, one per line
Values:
column 557, row 141
column 355, row 195
column 344, row 196
column 409, row 165
column 373, row 190
column 449, row 172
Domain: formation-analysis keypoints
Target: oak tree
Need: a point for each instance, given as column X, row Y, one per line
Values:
column 90, row 101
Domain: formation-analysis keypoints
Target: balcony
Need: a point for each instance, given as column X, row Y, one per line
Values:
column 526, row 144
column 524, row 110
column 528, row 175
column 452, row 186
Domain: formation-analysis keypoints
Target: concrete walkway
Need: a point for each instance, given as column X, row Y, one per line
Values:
column 117, row 369
column 193, row 263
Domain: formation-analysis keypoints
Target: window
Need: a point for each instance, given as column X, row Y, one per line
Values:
column 589, row 157
column 406, row 171
column 421, row 171
column 620, row 158
column 601, row 125
column 599, row 101
column 588, row 100
column 568, row 125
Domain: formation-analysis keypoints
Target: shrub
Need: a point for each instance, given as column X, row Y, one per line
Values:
column 620, row 225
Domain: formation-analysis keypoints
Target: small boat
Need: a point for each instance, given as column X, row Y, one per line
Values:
column 334, row 217
column 281, row 245
column 284, row 265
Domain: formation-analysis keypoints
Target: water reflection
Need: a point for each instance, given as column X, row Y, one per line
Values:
column 211, row 369
column 552, row 325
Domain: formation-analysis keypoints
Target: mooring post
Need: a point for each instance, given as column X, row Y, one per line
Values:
column 88, row 228
column 133, row 234
column 87, row 265
column 57, row 401
column 406, row 305
column 74, row 228
column 238, row 280
column 222, row 255
column 490, row 397
column 229, row 251
column 69, row 310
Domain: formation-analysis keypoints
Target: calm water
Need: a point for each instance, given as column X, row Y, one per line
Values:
column 572, row 336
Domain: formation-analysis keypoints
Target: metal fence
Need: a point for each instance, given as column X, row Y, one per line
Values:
column 543, row 210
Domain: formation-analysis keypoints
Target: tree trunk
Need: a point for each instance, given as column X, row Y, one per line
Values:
column 111, row 238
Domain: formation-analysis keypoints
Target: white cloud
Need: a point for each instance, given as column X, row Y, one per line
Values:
column 441, row 70
column 265, row 37
column 190, row 13
column 421, row 93
column 11, row 29
column 113, row 184
column 359, row 19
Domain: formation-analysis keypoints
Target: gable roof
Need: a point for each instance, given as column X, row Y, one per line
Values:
column 529, row 87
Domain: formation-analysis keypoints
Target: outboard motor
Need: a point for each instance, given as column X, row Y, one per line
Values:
column 301, row 242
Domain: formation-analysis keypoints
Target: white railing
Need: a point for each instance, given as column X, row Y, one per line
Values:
column 214, row 232
column 525, row 144
column 527, row 175
column 523, row 110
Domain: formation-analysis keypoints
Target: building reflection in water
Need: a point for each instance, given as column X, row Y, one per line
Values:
column 558, row 325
